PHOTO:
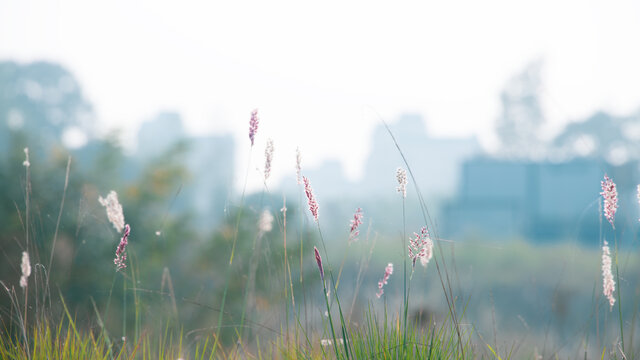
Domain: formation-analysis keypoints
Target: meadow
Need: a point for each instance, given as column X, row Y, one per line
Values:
column 269, row 283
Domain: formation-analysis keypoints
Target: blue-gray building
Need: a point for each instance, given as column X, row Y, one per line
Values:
column 541, row 201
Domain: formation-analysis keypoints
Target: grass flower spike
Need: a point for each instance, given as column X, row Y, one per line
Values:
column 121, row 255
column 421, row 247
column 114, row 210
column 313, row 204
column 298, row 166
column 329, row 342
column 253, row 125
column 387, row 273
column 265, row 224
column 610, row 195
column 401, row 176
column 26, row 162
column 319, row 262
column 268, row 156
column 26, row 269
column 355, row 223
column 608, row 285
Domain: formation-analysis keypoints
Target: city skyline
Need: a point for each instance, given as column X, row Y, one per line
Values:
column 329, row 73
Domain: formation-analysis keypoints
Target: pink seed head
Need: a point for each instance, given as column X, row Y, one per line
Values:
column 355, row 223
column 313, row 204
column 319, row 262
column 253, row 125
column 121, row 255
column 610, row 196
column 387, row 273
column 421, row 247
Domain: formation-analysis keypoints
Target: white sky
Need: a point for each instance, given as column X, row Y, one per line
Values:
column 321, row 73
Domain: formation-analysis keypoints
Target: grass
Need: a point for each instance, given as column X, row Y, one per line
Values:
column 383, row 330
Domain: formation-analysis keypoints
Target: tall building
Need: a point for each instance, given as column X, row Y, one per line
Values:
column 435, row 162
column 540, row 201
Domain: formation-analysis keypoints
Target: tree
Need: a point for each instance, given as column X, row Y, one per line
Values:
column 518, row 127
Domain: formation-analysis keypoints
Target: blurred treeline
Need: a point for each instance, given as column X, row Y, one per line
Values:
column 172, row 261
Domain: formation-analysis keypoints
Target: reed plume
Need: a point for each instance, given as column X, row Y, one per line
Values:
column 25, row 266
column 114, row 210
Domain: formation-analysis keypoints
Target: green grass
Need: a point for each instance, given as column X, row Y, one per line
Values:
column 31, row 328
column 374, row 339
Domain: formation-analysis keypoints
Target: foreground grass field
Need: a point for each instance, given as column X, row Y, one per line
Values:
column 440, row 300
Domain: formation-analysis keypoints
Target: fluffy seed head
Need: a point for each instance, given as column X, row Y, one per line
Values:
column 401, row 176
column 319, row 262
column 313, row 204
column 26, row 269
column 329, row 342
column 421, row 247
column 26, row 162
column 610, row 196
column 268, row 157
column 253, row 125
column 265, row 224
column 608, row 285
column 114, row 210
column 387, row 272
column 121, row 255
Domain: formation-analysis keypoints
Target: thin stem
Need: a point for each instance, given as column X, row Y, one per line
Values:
column 286, row 266
column 330, row 271
column 406, row 311
column 333, row 332
column 619, row 295
column 26, row 297
column 238, row 216
column 55, row 234
column 233, row 248
column 404, row 269
column 124, row 308
column 344, row 259
column 27, row 208
column 304, row 292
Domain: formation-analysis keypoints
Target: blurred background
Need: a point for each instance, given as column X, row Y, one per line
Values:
column 508, row 114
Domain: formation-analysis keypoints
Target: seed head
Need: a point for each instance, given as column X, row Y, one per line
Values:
column 387, row 272
column 313, row 204
column 121, row 255
column 421, row 247
column 401, row 176
column 610, row 195
column 265, row 224
column 253, row 125
column 26, row 269
column 355, row 222
column 268, row 156
column 114, row 210
column 608, row 285
column 329, row 342
column 26, row 162
column 298, row 165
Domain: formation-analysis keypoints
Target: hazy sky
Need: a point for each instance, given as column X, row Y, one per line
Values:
column 321, row 73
